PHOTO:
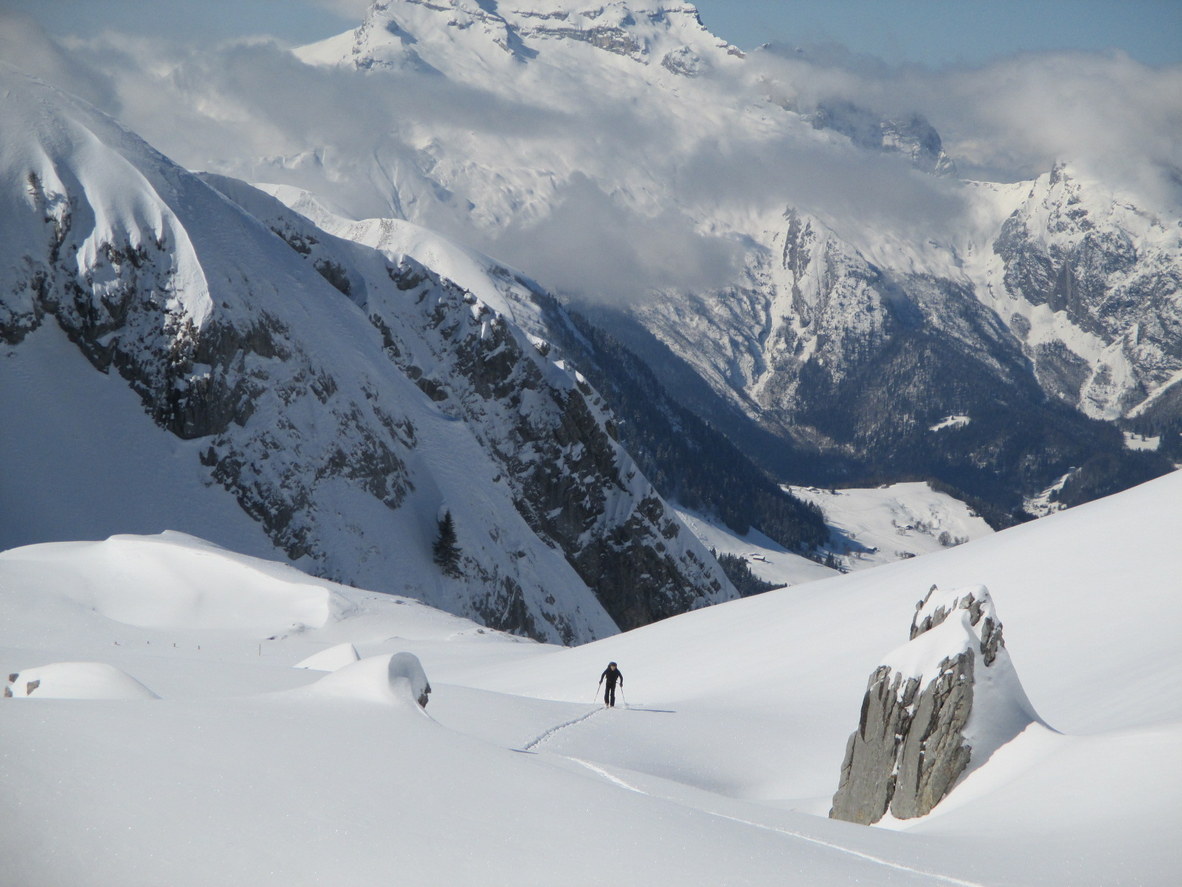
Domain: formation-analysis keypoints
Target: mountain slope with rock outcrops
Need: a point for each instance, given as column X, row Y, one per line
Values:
column 344, row 402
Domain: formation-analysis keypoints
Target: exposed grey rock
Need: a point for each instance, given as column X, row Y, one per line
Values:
column 913, row 740
column 911, row 136
column 933, row 752
column 1074, row 250
column 868, row 773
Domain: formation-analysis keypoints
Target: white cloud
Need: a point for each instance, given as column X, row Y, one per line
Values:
column 25, row 46
column 607, row 198
column 1012, row 119
column 599, row 248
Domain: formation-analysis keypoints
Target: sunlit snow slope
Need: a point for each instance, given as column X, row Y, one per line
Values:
column 718, row 766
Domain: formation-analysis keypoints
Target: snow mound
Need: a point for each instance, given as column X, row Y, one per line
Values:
column 75, row 680
column 173, row 581
column 398, row 678
column 331, row 659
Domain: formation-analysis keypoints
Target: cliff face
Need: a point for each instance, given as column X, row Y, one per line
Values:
column 936, row 708
column 1106, row 276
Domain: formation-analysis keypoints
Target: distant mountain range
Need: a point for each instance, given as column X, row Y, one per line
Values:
column 1048, row 317
column 710, row 280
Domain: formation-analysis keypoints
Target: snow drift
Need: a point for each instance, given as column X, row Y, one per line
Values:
column 397, row 678
column 75, row 680
column 174, row 581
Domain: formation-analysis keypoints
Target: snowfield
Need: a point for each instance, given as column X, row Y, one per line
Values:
column 718, row 768
column 871, row 527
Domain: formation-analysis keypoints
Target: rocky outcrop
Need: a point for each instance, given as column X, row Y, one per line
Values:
column 912, row 136
column 940, row 704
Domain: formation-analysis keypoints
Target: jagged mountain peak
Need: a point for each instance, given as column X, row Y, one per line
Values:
column 1093, row 284
column 419, row 35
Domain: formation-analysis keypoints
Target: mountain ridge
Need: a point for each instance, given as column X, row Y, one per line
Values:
column 326, row 398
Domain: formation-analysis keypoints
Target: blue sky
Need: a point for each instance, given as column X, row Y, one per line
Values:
column 943, row 32
column 930, row 32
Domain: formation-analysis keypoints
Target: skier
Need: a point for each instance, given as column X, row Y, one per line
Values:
column 612, row 674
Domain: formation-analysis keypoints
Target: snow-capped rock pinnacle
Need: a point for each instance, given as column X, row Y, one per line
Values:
column 942, row 703
column 1093, row 286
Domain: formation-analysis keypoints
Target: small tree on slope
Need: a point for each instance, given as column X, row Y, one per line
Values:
column 445, row 549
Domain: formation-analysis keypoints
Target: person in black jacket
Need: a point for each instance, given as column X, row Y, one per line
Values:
column 611, row 674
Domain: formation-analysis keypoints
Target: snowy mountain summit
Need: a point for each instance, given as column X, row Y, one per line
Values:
column 946, row 700
column 497, row 35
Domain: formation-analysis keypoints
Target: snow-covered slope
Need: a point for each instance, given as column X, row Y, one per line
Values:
column 867, row 528
column 343, row 400
column 718, row 767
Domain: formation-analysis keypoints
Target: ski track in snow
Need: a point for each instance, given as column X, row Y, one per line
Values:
column 549, row 734
column 788, row 833
column 610, row 777
column 615, row 780
column 946, row 879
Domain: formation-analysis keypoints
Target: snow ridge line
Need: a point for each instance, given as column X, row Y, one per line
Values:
column 538, row 740
column 947, row 879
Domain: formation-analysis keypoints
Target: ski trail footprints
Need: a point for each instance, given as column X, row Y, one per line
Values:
column 558, row 728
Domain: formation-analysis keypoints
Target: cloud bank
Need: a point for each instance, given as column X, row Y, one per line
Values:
column 1011, row 120
column 606, row 198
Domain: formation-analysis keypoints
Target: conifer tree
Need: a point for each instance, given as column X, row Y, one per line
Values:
column 445, row 549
